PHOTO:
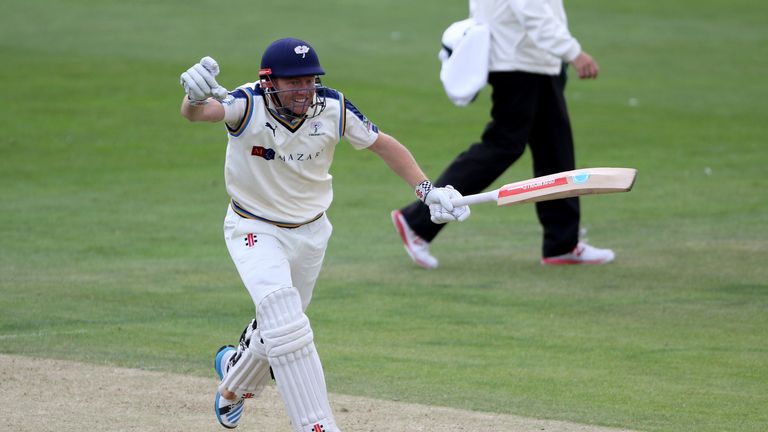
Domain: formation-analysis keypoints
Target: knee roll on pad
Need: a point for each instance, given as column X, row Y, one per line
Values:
column 290, row 349
column 250, row 339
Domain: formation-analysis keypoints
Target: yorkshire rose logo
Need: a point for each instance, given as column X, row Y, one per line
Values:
column 316, row 129
column 301, row 49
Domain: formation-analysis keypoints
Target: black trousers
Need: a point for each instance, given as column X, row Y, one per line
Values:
column 527, row 109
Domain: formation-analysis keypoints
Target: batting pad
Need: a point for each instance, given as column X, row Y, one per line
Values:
column 291, row 352
column 248, row 376
column 248, row 370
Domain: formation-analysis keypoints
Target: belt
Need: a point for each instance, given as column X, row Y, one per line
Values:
column 290, row 225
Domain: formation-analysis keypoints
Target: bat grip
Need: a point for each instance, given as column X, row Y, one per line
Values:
column 476, row 198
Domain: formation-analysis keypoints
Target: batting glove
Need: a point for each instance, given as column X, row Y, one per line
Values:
column 441, row 210
column 199, row 82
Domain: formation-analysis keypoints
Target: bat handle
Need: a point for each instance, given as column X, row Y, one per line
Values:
column 476, row 198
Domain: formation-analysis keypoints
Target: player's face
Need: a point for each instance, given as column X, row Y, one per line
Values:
column 296, row 93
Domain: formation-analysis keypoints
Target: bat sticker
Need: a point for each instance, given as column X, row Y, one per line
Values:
column 580, row 178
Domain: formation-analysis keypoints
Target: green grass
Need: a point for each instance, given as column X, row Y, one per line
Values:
column 111, row 206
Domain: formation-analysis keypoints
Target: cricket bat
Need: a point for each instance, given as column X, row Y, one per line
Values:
column 555, row 186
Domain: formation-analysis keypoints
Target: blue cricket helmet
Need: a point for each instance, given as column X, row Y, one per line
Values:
column 290, row 57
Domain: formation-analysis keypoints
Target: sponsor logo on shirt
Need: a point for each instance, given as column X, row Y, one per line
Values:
column 299, row 157
column 367, row 123
column 272, row 128
column 316, row 129
column 270, row 154
column 260, row 151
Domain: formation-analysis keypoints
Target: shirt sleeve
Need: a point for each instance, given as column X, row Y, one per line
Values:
column 235, row 107
column 547, row 28
column 358, row 130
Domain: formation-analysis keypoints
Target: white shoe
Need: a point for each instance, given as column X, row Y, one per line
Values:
column 228, row 412
column 581, row 254
column 417, row 247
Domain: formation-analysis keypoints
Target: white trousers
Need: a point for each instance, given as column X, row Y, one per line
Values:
column 269, row 258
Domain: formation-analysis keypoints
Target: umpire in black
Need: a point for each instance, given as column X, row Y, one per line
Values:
column 530, row 49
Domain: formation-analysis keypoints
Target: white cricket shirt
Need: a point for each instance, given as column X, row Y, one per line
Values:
column 280, row 171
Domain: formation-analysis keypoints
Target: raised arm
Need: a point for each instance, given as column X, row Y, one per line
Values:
column 212, row 111
column 203, row 93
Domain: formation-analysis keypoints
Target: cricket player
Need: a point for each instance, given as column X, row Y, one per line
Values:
column 283, row 130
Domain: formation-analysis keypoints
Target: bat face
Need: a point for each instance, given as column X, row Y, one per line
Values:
column 533, row 185
column 567, row 184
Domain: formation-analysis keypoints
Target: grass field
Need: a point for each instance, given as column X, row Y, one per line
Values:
column 111, row 204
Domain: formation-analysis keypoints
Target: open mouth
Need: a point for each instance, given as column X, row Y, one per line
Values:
column 300, row 105
column 297, row 103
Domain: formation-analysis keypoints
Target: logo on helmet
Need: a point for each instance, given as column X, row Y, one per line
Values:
column 301, row 49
